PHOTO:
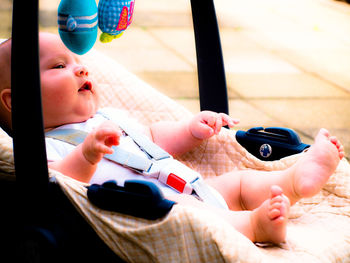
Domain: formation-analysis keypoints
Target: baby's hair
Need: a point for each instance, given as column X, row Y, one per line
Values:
column 3, row 56
column 3, row 52
column 3, row 41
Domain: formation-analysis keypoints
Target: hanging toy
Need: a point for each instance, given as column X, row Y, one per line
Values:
column 77, row 24
column 78, row 20
column 114, row 17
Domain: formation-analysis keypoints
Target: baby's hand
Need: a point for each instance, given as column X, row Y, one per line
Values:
column 207, row 123
column 100, row 140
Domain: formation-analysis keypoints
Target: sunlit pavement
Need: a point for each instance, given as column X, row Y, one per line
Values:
column 287, row 62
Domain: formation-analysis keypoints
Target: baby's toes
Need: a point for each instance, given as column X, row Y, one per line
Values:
column 322, row 134
column 275, row 210
column 275, row 191
column 341, row 152
column 339, row 146
column 335, row 141
column 281, row 203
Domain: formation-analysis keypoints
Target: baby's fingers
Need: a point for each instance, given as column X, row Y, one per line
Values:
column 227, row 120
column 109, row 136
column 217, row 125
column 202, row 131
column 102, row 148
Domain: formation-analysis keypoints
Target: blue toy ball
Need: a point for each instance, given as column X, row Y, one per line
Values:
column 77, row 24
column 114, row 17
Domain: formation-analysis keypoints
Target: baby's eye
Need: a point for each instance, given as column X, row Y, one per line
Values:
column 59, row 66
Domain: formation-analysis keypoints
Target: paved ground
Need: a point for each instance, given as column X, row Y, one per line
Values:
column 287, row 62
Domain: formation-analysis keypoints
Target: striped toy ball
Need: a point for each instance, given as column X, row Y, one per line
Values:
column 77, row 24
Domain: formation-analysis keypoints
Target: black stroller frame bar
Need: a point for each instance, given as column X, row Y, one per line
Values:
column 27, row 122
column 210, row 64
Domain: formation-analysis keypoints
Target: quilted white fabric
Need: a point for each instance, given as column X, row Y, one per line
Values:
column 318, row 229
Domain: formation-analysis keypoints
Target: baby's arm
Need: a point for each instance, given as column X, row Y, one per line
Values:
column 180, row 137
column 82, row 162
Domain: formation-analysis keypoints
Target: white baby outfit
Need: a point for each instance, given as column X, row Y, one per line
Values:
column 106, row 170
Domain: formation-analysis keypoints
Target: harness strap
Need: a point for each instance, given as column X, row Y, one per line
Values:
column 119, row 154
column 152, row 149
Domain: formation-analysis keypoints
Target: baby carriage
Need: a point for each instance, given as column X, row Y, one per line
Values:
column 54, row 221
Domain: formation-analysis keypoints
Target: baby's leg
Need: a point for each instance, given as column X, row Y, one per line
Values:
column 246, row 190
column 267, row 223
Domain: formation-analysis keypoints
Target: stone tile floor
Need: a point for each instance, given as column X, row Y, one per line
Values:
column 287, row 62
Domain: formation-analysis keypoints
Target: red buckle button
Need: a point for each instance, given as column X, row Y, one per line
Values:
column 176, row 182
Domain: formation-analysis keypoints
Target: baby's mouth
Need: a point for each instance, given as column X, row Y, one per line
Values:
column 87, row 86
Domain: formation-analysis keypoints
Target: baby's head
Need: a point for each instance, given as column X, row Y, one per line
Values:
column 68, row 93
column 5, row 85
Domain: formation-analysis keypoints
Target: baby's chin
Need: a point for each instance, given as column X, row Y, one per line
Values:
column 75, row 119
column 81, row 118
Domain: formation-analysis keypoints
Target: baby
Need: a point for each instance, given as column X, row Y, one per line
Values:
column 70, row 99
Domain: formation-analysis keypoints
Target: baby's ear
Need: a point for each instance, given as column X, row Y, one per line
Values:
column 5, row 97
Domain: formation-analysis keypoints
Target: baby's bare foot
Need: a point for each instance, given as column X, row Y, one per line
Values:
column 313, row 170
column 269, row 220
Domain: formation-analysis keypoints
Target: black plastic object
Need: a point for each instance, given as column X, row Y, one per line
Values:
column 210, row 64
column 62, row 233
column 271, row 143
column 26, row 106
column 137, row 198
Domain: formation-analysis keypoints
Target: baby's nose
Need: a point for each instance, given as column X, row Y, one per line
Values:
column 81, row 70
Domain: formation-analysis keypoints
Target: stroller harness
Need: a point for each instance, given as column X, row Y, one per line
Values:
column 158, row 164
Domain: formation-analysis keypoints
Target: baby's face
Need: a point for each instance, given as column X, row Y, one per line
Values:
column 68, row 94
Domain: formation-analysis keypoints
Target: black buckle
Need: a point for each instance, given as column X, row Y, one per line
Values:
column 271, row 143
column 137, row 198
